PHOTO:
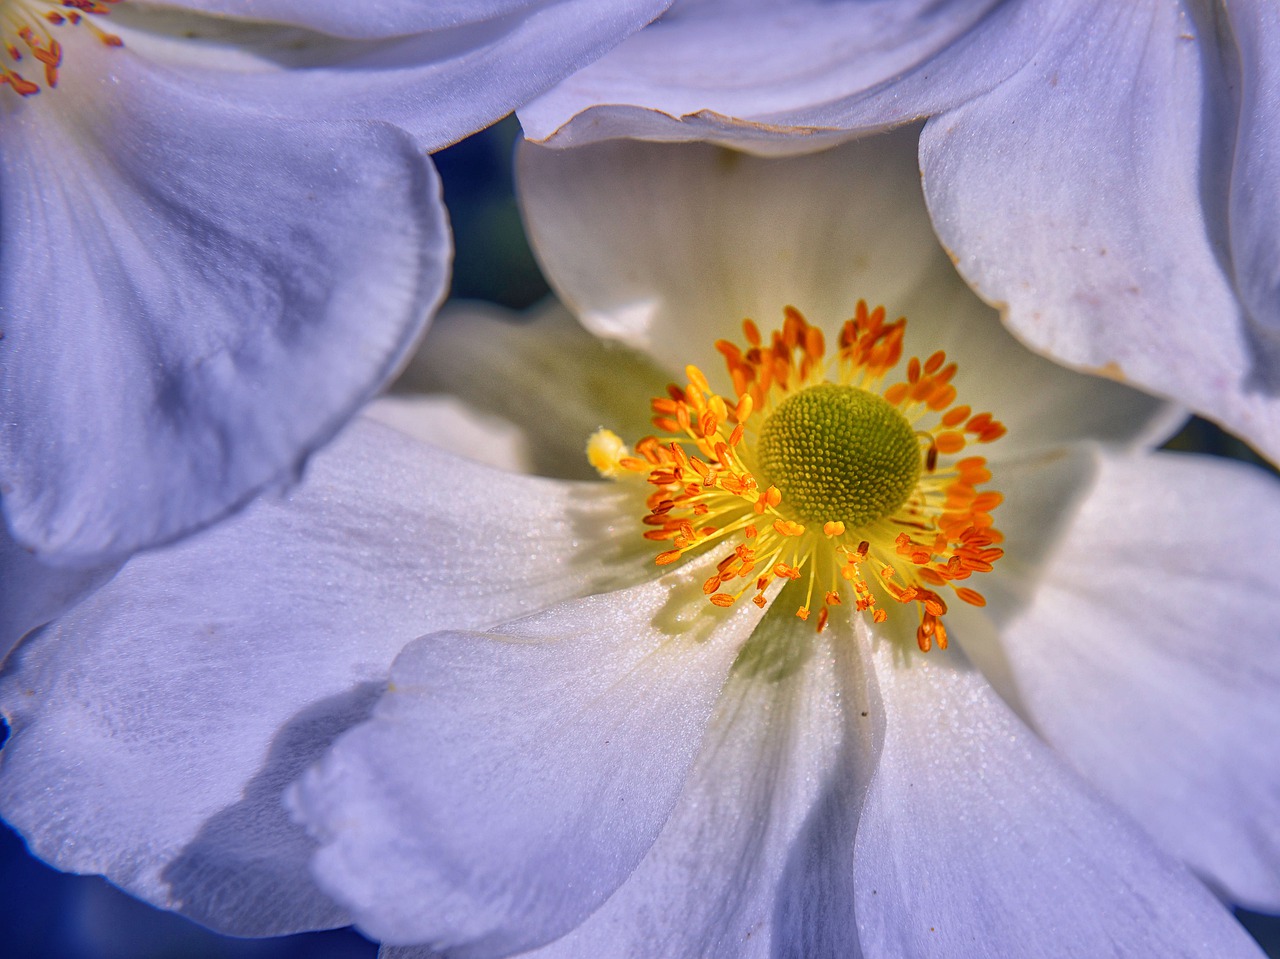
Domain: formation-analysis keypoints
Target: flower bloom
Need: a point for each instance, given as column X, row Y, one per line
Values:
column 216, row 245
column 1105, row 175
column 597, row 748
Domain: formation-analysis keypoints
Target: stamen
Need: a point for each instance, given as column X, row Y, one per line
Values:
column 25, row 26
column 729, row 471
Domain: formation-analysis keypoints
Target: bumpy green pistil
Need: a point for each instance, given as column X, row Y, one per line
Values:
column 839, row 453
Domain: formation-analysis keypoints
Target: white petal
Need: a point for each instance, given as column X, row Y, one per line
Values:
column 540, row 374
column 509, row 782
column 440, row 71
column 194, row 298
column 1072, row 196
column 785, row 763
column 368, row 19
column 1149, row 660
column 669, row 247
column 754, row 73
column 214, row 671
column 1255, row 193
column 32, row 592
column 453, row 425
column 976, row 840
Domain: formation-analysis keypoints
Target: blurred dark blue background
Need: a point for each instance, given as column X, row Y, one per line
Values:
column 45, row 914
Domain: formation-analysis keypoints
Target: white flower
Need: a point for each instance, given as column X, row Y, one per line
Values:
column 581, row 754
column 215, row 246
column 1107, row 175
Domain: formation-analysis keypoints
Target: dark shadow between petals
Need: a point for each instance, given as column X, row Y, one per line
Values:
column 246, row 871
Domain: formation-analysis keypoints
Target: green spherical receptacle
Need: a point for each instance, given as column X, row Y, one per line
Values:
column 839, row 453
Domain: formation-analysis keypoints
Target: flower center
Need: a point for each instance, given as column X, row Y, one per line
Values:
column 839, row 453
column 26, row 29
column 830, row 477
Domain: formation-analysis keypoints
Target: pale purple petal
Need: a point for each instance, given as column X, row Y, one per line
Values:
column 155, row 726
column 1255, row 176
column 366, row 19
column 786, row 760
column 32, row 592
column 767, row 74
column 193, row 298
column 1078, row 197
column 669, row 247
column 509, row 782
column 975, row 839
column 452, row 425
column 1149, row 659
column 439, row 71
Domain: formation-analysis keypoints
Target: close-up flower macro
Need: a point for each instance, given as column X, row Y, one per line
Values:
column 222, row 236
column 875, row 633
column 803, row 486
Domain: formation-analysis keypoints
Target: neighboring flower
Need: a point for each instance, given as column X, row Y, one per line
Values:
column 622, row 766
column 211, row 255
column 1108, row 175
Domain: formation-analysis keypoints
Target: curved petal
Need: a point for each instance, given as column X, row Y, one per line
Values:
column 440, row 71
column 194, row 298
column 975, row 838
column 1073, row 196
column 32, row 592
column 452, row 425
column 757, row 74
column 786, row 760
column 508, row 783
column 669, row 247
column 540, row 374
column 1255, row 175
column 1149, row 660
column 367, row 19
column 214, row 671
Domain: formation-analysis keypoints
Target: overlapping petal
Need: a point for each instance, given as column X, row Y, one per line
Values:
column 369, row 19
column 1134, row 285
column 975, row 838
column 509, row 782
column 212, row 257
column 440, row 71
column 1254, row 208
column 214, row 671
column 783, row 766
column 761, row 74
column 1104, row 174
column 194, row 296
column 656, row 245
column 32, row 592
column 1148, row 660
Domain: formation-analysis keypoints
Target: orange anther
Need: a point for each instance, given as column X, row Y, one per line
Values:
column 722, row 599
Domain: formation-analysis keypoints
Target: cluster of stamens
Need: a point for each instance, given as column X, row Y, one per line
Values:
column 27, row 30
column 710, row 487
